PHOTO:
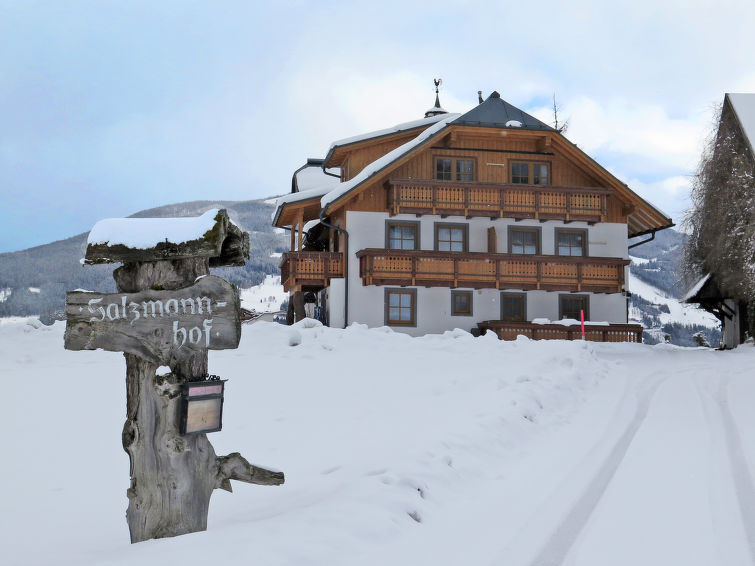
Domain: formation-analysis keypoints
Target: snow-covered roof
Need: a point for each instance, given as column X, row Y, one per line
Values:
column 311, row 224
column 304, row 195
column 383, row 162
column 145, row 233
column 696, row 288
column 744, row 107
column 314, row 177
column 424, row 122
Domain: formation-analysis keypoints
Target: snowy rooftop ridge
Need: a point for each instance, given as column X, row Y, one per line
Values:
column 145, row 233
column 744, row 108
column 387, row 159
column 388, row 131
column 696, row 288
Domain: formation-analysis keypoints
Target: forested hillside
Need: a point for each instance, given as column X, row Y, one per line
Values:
column 34, row 281
column 658, row 285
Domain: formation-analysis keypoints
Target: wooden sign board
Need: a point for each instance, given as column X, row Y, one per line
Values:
column 160, row 326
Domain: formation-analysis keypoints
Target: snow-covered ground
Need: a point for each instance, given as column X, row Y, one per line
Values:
column 398, row 450
column 265, row 297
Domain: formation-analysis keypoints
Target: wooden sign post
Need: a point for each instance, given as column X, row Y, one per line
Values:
column 168, row 311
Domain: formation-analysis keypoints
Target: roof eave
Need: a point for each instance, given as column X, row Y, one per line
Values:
column 377, row 172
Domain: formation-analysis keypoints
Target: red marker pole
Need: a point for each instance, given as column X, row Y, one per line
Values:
column 582, row 316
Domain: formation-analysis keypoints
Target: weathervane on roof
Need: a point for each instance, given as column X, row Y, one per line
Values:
column 437, row 109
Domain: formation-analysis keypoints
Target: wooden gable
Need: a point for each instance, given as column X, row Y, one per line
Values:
column 493, row 151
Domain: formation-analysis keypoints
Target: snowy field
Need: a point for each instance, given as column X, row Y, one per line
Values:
column 265, row 297
column 407, row 451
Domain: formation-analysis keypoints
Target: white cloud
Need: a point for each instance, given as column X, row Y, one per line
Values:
column 643, row 131
column 670, row 194
column 336, row 103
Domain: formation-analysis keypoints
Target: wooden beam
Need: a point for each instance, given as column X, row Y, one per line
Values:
column 300, row 221
column 544, row 143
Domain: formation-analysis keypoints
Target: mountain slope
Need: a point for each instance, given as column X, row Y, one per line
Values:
column 657, row 286
column 52, row 269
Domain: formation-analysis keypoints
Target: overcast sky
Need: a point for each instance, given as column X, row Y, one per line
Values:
column 107, row 108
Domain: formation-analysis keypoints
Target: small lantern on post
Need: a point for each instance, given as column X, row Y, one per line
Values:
column 202, row 406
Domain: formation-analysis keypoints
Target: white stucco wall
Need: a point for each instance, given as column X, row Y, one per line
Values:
column 367, row 230
column 335, row 302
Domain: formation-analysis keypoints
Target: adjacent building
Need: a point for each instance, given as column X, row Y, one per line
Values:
column 489, row 219
column 723, row 291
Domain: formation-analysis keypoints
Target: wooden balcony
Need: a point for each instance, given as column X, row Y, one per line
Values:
column 594, row 333
column 499, row 271
column 309, row 270
column 455, row 198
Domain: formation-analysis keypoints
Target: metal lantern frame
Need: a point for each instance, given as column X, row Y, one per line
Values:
column 212, row 388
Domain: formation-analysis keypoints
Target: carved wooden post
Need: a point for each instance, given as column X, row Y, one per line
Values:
column 168, row 311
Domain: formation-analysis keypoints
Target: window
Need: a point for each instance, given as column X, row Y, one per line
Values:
column 461, row 303
column 401, row 307
column 524, row 241
column 451, row 237
column 452, row 169
column 443, row 169
column 571, row 242
column 402, row 235
column 464, row 170
column 569, row 306
column 529, row 173
column 513, row 307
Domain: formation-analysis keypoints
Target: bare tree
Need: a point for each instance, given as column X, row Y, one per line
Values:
column 563, row 125
column 721, row 221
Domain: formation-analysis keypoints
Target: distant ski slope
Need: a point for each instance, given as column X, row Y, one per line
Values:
column 679, row 312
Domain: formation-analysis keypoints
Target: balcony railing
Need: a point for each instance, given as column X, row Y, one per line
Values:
column 594, row 333
column 310, row 269
column 455, row 198
column 500, row 271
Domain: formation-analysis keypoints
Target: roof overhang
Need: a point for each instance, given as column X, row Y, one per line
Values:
column 642, row 217
column 288, row 214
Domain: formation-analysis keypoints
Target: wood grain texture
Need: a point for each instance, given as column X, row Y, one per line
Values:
column 160, row 326
column 172, row 476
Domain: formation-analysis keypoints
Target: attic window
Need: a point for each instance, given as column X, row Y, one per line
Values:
column 452, row 169
column 529, row 173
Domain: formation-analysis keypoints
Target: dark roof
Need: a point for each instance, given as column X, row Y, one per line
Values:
column 495, row 112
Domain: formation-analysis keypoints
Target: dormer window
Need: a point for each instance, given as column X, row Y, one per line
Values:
column 529, row 173
column 453, row 169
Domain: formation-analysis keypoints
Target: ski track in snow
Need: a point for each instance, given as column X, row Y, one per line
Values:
column 740, row 471
column 731, row 484
column 555, row 550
